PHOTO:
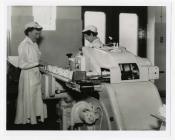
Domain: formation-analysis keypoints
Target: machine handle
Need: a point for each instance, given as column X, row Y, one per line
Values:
column 59, row 91
column 162, row 71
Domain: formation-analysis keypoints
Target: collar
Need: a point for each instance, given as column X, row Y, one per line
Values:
column 29, row 40
column 97, row 39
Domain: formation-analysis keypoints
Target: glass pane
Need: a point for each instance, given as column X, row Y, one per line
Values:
column 45, row 16
column 97, row 19
column 128, row 30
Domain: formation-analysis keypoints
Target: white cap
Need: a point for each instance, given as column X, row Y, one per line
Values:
column 33, row 24
column 90, row 28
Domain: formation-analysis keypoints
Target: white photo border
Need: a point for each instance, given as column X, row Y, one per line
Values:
column 56, row 135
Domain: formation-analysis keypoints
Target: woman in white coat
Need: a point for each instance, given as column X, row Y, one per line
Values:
column 90, row 33
column 30, row 106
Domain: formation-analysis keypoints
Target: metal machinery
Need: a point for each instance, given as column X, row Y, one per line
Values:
column 104, row 89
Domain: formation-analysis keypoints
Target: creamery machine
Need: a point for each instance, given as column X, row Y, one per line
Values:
column 104, row 89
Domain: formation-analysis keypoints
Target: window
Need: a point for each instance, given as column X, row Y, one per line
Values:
column 45, row 16
column 128, row 31
column 97, row 19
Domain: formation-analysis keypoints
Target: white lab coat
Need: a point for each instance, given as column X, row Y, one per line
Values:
column 91, row 63
column 29, row 101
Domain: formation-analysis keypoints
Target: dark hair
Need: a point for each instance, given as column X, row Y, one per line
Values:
column 30, row 29
column 90, row 32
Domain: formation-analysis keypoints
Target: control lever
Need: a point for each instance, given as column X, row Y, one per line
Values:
column 57, row 91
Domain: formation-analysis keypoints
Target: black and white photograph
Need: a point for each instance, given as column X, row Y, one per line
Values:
column 83, row 68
